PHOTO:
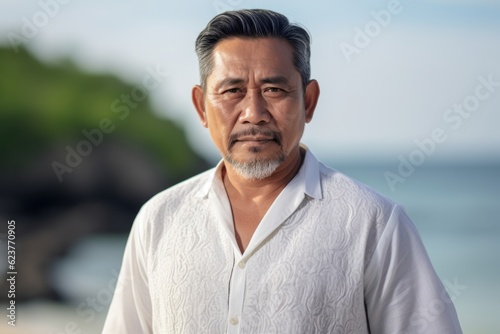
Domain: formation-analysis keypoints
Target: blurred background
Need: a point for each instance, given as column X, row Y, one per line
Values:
column 95, row 118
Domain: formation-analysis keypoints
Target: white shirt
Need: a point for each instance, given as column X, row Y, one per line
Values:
column 330, row 256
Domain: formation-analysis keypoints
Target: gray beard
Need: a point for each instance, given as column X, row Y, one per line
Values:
column 256, row 169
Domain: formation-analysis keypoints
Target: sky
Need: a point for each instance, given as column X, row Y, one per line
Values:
column 396, row 76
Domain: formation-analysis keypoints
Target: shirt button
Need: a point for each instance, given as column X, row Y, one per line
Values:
column 241, row 264
column 234, row 320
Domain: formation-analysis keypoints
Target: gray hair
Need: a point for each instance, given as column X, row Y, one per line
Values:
column 253, row 23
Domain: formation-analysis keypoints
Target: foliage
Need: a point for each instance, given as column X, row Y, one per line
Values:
column 46, row 107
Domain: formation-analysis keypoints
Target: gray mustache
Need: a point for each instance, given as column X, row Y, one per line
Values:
column 275, row 135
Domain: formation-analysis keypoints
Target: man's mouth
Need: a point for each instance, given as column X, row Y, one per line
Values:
column 255, row 139
column 253, row 136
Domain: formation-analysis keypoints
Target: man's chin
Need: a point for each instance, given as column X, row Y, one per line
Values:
column 256, row 168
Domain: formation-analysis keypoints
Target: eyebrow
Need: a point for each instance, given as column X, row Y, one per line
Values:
column 278, row 79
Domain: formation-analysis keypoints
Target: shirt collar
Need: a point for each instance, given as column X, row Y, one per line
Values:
column 213, row 178
column 306, row 180
column 309, row 175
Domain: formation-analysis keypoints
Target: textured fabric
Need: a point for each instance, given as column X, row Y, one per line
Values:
column 330, row 256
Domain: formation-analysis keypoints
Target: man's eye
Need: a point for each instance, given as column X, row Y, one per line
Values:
column 232, row 90
column 274, row 90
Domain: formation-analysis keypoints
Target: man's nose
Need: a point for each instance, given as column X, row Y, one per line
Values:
column 254, row 108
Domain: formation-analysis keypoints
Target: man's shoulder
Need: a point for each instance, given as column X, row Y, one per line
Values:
column 188, row 190
column 360, row 208
column 342, row 187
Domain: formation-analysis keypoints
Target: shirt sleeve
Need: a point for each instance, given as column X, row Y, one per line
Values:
column 130, row 311
column 403, row 293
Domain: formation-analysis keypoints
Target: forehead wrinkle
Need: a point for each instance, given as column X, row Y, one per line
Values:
column 231, row 64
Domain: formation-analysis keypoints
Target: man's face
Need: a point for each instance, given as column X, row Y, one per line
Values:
column 254, row 104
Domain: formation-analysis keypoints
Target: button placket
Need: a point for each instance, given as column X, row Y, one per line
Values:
column 236, row 295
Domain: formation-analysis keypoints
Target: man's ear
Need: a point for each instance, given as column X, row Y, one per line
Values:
column 311, row 99
column 198, row 99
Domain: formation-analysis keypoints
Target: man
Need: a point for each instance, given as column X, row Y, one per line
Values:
column 271, row 240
